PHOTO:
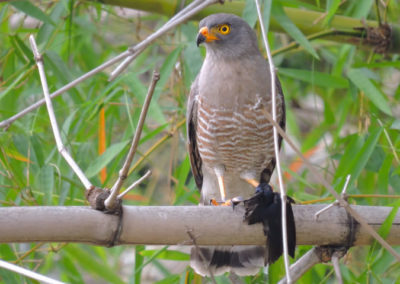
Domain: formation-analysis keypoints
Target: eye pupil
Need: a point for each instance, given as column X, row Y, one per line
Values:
column 224, row 29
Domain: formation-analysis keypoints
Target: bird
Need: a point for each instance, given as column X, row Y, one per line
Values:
column 230, row 139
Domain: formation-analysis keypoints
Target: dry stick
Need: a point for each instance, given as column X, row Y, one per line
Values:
column 276, row 145
column 302, row 265
column 335, row 261
column 110, row 202
column 314, row 256
column 336, row 202
column 182, row 16
column 133, row 51
column 60, row 146
column 193, row 238
column 342, row 202
column 133, row 185
column 28, row 273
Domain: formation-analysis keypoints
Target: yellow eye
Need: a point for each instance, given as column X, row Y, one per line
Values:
column 224, row 29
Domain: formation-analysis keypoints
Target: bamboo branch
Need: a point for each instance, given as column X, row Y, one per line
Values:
column 168, row 225
column 28, row 273
column 54, row 126
column 111, row 201
column 312, row 257
column 303, row 19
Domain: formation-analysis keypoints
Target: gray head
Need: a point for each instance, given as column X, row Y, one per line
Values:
column 227, row 35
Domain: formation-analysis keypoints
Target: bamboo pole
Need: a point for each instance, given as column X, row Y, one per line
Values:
column 169, row 225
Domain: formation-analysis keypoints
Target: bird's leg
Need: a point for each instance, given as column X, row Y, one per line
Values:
column 252, row 181
column 219, row 172
column 222, row 192
column 221, row 186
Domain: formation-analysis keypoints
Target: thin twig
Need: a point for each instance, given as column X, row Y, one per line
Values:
column 203, row 258
column 328, row 186
column 336, row 202
column 135, row 184
column 28, row 273
column 350, row 196
column 396, row 157
column 110, row 202
column 57, row 136
column 276, row 145
column 335, row 261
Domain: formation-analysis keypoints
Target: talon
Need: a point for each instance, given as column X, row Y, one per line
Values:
column 263, row 187
column 236, row 200
column 221, row 203
column 214, row 202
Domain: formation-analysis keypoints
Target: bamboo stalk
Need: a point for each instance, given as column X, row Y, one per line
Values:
column 169, row 225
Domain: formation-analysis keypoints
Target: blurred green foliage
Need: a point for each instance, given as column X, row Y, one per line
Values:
column 342, row 109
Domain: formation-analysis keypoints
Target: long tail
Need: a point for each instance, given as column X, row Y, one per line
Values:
column 242, row 260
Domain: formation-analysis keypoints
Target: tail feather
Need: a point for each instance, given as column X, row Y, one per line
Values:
column 242, row 260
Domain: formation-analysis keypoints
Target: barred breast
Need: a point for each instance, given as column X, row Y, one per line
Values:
column 239, row 138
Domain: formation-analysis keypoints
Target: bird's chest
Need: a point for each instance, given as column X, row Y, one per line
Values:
column 237, row 138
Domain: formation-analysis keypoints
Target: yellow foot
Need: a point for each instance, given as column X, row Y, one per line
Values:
column 221, row 203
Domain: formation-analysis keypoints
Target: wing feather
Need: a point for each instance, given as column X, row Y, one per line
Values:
column 191, row 127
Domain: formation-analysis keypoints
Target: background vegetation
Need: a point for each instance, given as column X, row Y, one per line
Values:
column 342, row 110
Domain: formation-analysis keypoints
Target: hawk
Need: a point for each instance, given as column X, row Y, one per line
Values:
column 230, row 140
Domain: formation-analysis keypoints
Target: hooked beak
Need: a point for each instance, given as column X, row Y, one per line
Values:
column 205, row 35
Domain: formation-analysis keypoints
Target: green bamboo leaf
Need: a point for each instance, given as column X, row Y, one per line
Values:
column 37, row 147
column 140, row 91
column 46, row 30
column 90, row 264
column 166, row 254
column 315, row 78
column 103, row 160
column 395, row 124
column 266, row 14
column 153, row 133
column 13, row 84
column 358, row 160
column 166, row 70
column 361, row 159
column 384, row 174
column 384, row 230
column 54, row 62
column 172, row 279
column 21, row 50
column 331, row 10
column 68, row 266
column 285, row 22
column 45, row 183
column 362, row 82
column 354, row 143
column 28, row 8
column 250, row 13
column 139, row 265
